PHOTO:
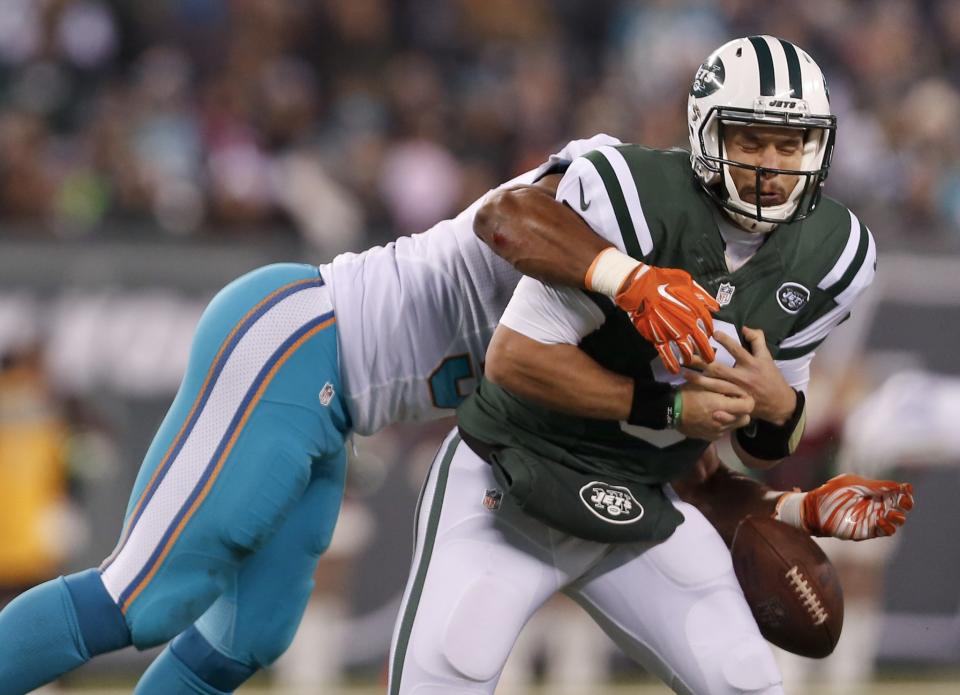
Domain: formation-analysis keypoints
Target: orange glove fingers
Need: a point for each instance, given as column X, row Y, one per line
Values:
column 686, row 348
column 887, row 528
column 905, row 500
column 668, row 358
column 702, row 341
column 712, row 304
column 897, row 518
column 692, row 301
column 666, row 323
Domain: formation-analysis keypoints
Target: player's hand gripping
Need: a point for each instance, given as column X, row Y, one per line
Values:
column 848, row 507
column 670, row 310
column 755, row 372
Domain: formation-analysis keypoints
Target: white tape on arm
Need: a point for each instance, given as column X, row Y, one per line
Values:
column 609, row 270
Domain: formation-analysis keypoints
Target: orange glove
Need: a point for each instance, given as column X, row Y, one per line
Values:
column 670, row 309
column 848, row 507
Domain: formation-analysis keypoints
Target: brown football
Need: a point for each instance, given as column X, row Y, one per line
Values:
column 791, row 586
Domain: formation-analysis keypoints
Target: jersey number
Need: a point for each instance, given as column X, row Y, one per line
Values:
column 444, row 381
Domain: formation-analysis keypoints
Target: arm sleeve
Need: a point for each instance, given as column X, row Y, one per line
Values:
column 551, row 315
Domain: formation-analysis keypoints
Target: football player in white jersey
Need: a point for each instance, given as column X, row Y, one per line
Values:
column 239, row 492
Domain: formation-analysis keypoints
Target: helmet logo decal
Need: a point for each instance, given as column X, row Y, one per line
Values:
column 709, row 78
column 792, row 297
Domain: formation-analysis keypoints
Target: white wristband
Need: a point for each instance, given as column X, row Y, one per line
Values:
column 608, row 271
column 790, row 510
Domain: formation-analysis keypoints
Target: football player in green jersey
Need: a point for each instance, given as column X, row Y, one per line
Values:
column 530, row 497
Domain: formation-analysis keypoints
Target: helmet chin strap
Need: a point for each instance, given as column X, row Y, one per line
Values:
column 747, row 221
column 750, row 224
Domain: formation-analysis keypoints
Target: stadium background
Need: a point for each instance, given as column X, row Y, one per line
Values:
column 150, row 152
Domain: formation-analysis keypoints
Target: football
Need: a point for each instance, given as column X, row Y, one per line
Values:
column 791, row 586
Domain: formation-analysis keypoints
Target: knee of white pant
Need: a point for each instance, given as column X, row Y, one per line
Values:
column 749, row 667
column 482, row 627
column 728, row 647
column 694, row 555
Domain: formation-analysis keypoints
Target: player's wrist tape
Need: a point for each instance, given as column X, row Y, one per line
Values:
column 789, row 510
column 770, row 442
column 609, row 270
column 652, row 405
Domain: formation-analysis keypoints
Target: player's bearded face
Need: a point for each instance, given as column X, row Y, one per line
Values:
column 768, row 147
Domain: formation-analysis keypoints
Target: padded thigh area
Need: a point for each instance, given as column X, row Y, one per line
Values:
column 695, row 555
column 473, row 639
column 474, row 613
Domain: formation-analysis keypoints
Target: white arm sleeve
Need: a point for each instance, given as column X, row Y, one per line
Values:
column 796, row 371
column 551, row 315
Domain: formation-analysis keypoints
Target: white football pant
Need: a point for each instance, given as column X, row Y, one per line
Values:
column 478, row 575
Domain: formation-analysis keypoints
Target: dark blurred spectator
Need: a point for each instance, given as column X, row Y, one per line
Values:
column 353, row 121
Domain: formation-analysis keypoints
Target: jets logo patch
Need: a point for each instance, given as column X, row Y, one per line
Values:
column 709, row 78
column 792, row 297
column 614, row 504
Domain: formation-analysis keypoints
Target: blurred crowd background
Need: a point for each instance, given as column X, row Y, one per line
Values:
column 350, row 121
column 150, row 151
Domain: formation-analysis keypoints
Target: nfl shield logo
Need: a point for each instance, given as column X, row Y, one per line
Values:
column 725, row 293
column 492, row 499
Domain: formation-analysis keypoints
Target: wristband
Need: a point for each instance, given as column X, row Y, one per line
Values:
column 652, row 405
column 608, row 271
column 770, row 442
column 674, row 417
column 789, row 510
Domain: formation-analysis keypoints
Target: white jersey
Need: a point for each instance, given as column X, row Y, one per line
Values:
column 414, row 317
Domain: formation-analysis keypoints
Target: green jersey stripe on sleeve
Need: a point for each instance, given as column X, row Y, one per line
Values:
column 863, row 245
column 631, row 194
column 792, row 353
column 619, row 203
column 847, row 255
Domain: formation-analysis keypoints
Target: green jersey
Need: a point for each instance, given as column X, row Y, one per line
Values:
column 799, row 284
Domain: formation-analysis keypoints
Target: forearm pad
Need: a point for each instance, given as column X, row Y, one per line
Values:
column 770, row 442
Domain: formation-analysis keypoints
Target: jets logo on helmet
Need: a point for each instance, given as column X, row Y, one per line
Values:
column 709, row 78
column 766, row 81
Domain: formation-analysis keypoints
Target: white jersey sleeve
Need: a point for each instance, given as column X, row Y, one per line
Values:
column 796, row 372
column 414, row 317
column 551, row 315
column 583, row 189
